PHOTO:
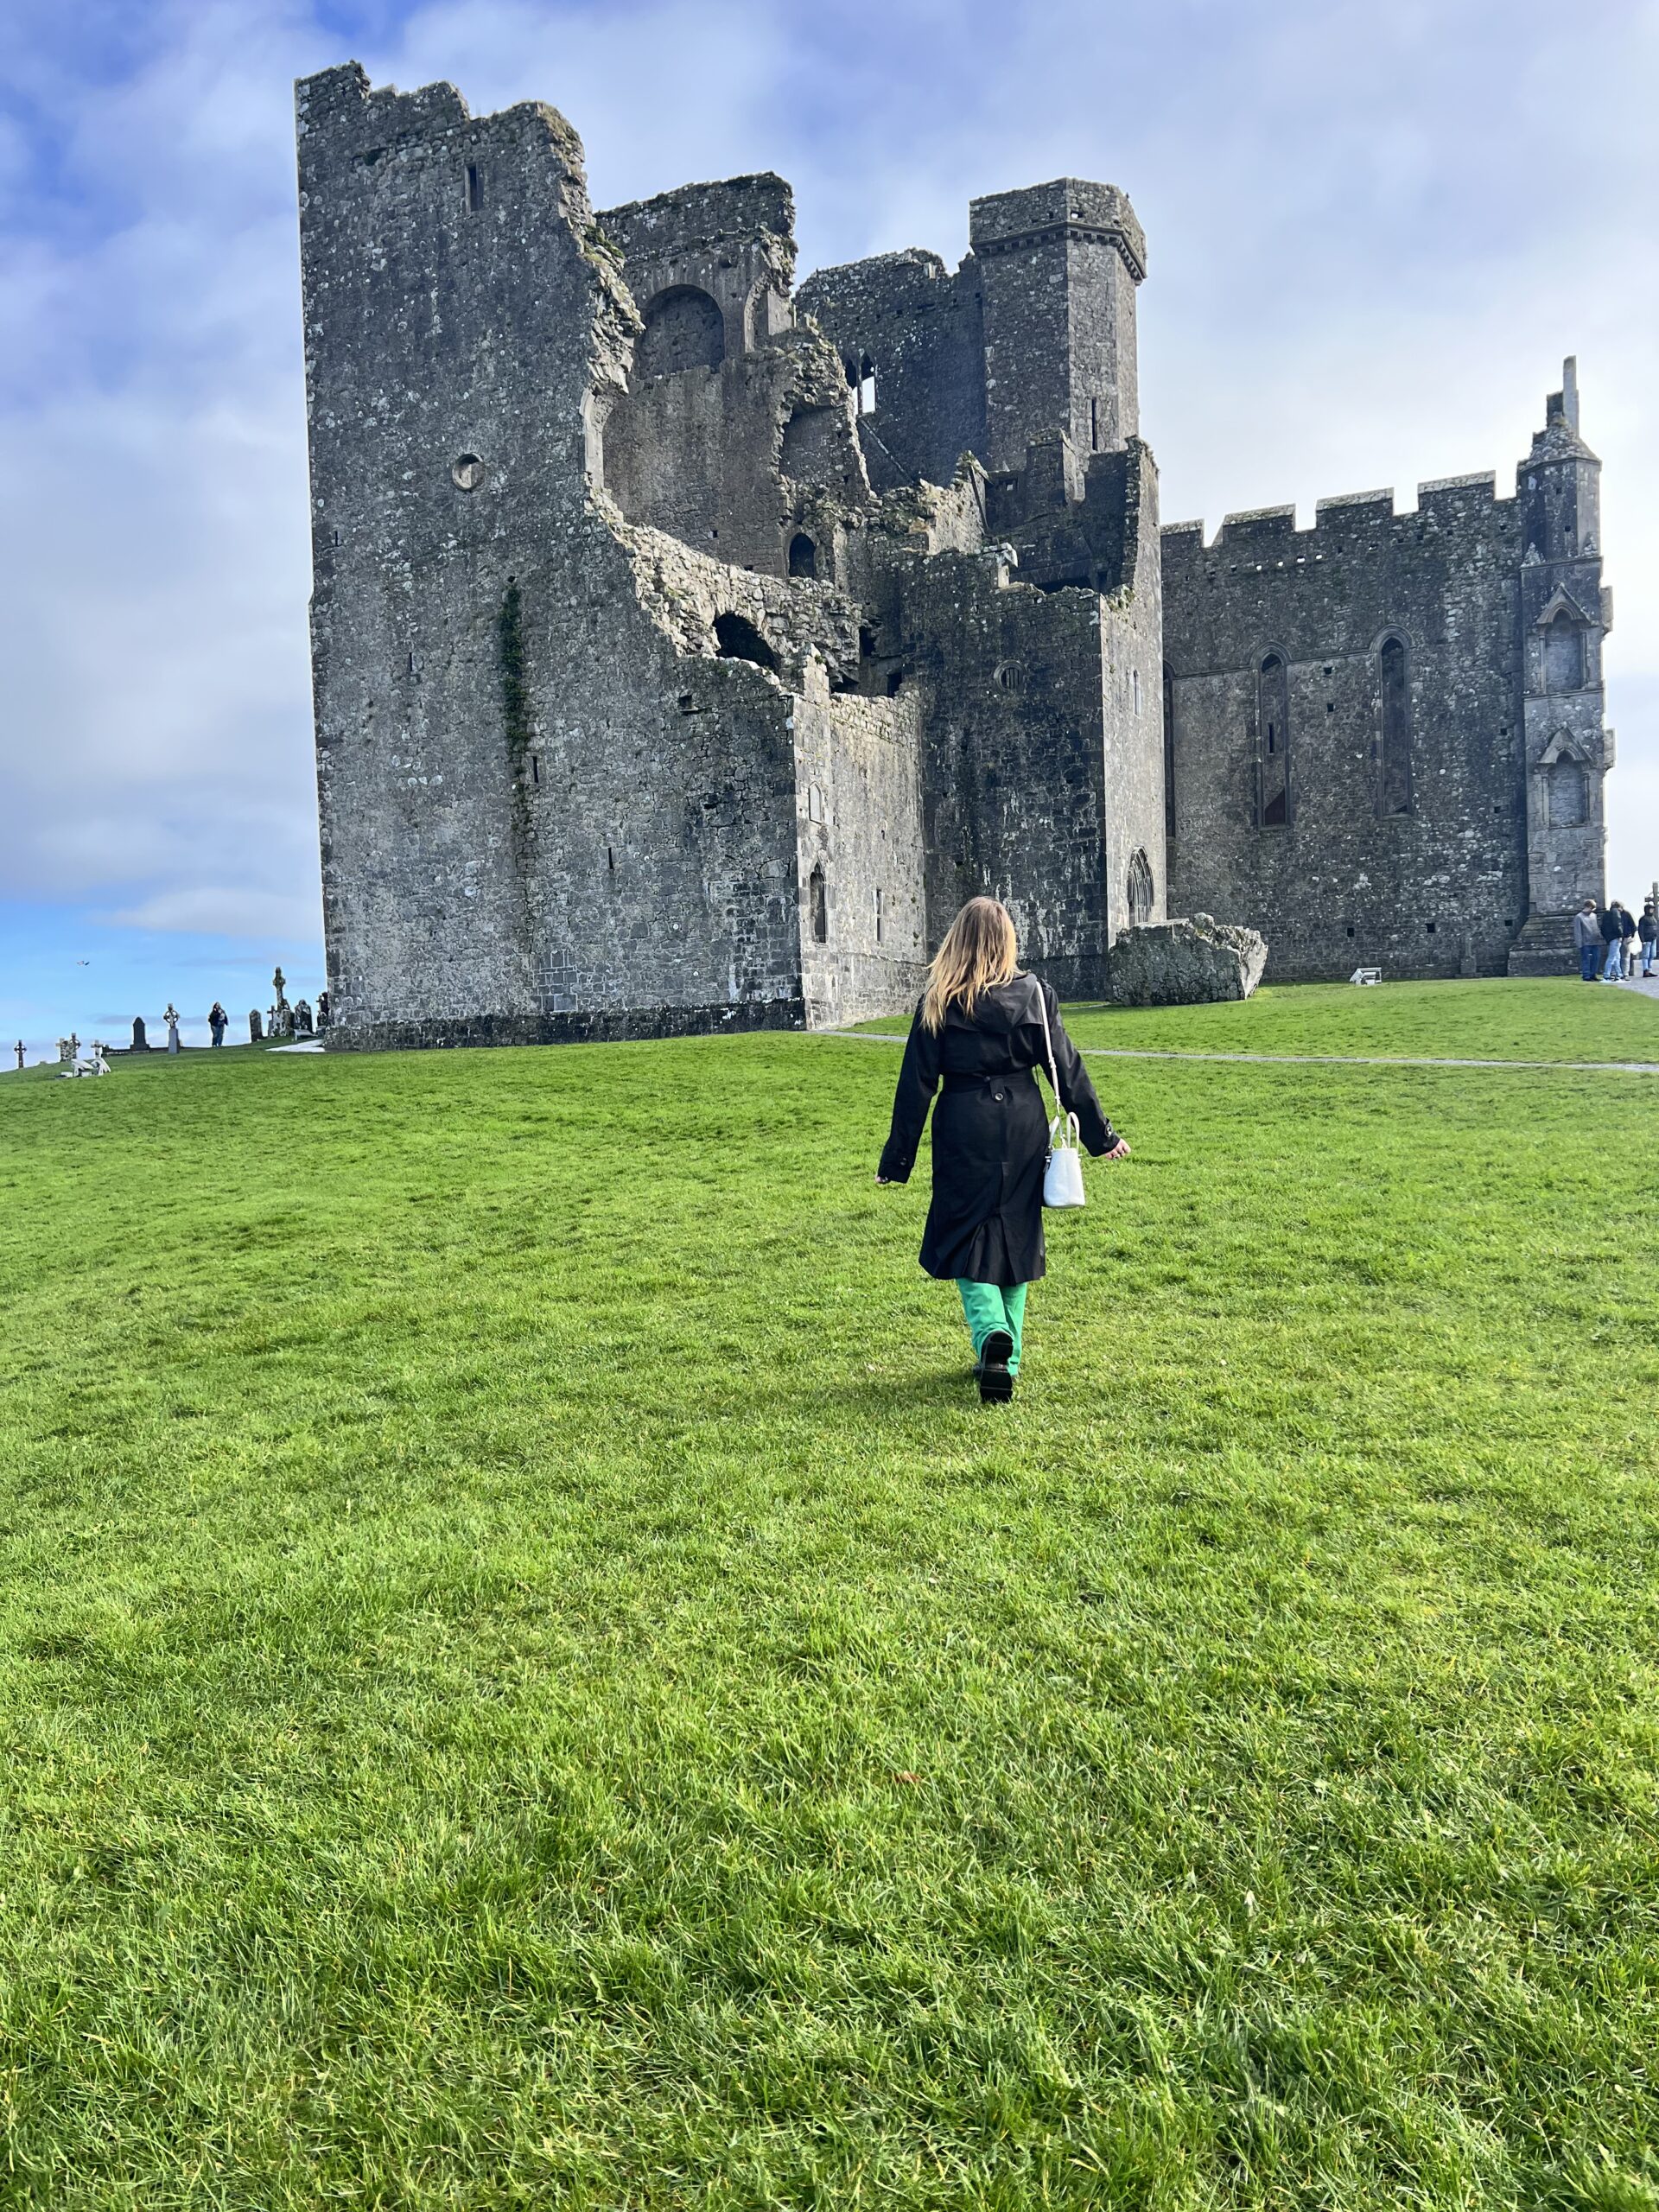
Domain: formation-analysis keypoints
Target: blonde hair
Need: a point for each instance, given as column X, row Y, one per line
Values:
column 980, row 951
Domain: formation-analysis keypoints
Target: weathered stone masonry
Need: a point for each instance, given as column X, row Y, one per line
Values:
column 1385, row 734
column 685, row 648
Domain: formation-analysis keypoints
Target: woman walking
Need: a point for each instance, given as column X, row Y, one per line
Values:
column 979, row 1029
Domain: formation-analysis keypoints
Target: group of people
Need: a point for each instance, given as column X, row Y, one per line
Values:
column 1609, row 940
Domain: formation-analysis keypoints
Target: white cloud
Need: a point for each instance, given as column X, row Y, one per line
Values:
column 1373, row 234
column 226, row 909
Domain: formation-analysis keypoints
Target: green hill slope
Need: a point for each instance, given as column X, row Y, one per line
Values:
column 528, row 1677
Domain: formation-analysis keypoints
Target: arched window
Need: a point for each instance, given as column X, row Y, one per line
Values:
column 737, row 638
column 1563, row 655
column 684, row 329
column 1141, row 892
column 802, row 555
column 861, row 375
column 818, row 905
column 1568, row 794
column 1273, row 726
column 1393, row 740
column 1169, row 753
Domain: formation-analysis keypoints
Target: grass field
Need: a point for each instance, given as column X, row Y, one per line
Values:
column 527, row 1677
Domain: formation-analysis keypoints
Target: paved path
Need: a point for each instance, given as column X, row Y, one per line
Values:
column 1317, row 1060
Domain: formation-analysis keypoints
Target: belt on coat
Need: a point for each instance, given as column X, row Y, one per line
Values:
column 952, row 1081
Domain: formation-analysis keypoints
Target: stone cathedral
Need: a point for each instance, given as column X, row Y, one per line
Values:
column 688, row 645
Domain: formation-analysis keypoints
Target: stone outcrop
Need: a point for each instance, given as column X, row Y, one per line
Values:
column 1184, row 963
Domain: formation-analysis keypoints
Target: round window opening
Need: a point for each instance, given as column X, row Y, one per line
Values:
column 469, row 471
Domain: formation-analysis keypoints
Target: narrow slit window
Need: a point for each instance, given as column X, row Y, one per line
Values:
column 818, row 906
column 1169, row 754
column 1273, row 720
column 877, row 913
column 475, row 189
column 1393, row 779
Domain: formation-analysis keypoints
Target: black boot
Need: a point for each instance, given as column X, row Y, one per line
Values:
column 995, row 1383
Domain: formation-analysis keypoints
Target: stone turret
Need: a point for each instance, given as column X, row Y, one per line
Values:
column 1058, row 266
column 1565, row 612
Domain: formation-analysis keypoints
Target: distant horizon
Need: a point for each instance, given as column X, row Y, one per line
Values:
column 1360, row 273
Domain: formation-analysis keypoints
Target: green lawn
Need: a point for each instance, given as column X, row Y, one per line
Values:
column 1564, row 1020
column 530, row 1679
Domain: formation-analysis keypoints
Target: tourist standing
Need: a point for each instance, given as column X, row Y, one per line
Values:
column 1626, row 941
column 979, row 1029
column 217, row 1022
column 171, row 1018
column 1587, row 939
column 1610, row 938
column 1648, row 930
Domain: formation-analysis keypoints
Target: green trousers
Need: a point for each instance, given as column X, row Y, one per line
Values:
column 988, row 1308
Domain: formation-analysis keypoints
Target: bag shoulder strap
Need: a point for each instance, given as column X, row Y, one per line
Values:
column 1048, row 1045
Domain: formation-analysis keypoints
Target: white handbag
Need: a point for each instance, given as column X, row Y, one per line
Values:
column 1063, row 1177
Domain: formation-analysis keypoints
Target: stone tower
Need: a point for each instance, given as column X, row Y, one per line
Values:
column 1565, row 613
column 1057, row 265
column 682, row 659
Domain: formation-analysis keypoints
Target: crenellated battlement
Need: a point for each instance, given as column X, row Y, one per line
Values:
column 1347, row 521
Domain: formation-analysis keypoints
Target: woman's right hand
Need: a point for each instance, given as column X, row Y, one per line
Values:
column 1119, row 1151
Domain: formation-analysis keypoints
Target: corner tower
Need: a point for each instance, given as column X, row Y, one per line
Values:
column 1566, row 612
column 1058, row 266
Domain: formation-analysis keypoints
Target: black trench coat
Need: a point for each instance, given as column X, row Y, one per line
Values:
column 990, row 1132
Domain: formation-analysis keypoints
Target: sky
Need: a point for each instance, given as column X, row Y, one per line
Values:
column 1373, row 233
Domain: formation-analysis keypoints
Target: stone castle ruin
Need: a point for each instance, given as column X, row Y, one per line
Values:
column 688, row 646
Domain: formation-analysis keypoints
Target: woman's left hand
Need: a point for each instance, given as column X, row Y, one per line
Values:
column 1119, row 1151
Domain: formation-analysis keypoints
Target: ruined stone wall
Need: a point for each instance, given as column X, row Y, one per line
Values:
column 859, row 825
column 734, row 422
column 1437, row 889
column 1012, row 753
column 546, row 812
column 921, row 329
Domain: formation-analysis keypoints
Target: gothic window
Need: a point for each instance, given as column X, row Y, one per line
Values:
column 1568, row 793
column 861, row 376
column 818, row 906
column 1169, row 754
column 1393, row 762
column 802, row 555
column 684, row 329
column 737, row 638
column 1273, row 725
column 1563, row 655
column 1141, row 890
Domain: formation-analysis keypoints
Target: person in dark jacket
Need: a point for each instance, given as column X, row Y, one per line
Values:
column 978, row 1030
column 1610, row 938
column 1648, row 930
